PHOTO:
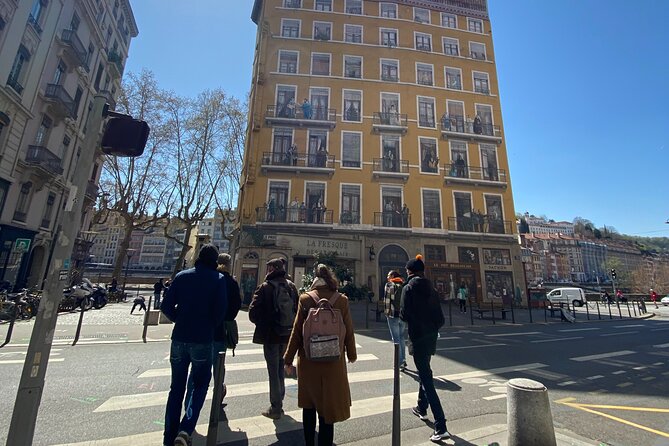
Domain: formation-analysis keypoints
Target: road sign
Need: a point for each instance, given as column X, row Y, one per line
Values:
column 22, row 244
column 66, row 263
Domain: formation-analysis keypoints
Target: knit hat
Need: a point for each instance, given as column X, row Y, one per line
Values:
column 208, row 254
column 416, row 264
column 276, row 263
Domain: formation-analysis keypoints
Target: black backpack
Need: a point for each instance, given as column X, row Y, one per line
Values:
column 285, row 307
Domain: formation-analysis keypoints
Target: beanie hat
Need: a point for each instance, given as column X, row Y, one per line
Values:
column 208, row 254
column 276, row 263
column 416, row 264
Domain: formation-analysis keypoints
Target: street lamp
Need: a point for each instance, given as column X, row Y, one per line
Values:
column 129, row 253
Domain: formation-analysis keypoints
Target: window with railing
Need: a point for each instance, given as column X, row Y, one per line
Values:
column 19, row 69
column 489, row 162
column 350, row 204
column 423, row 42
column 481, row 83
column 353, row 67
column 475, row 25
column 449, row 20
column 388, row 10
column 352, row 106
column 353, row 33
column 20, row 212
column 494, row 214
column 463, row 211
column 451, row 46
column 477, row 51
column 426, row 112
column 389, row 37
column 288, row 61
column 48, row 210
column 429, row 158
column 424, row 75
column 36, row 16
column 496, row 256
column 389, row 70
column 459, row 160
column 421, row 15
column 431, row 209
column 290, row 28
column 353, row 7
column 455, row 115
column 351, row 149
column 453, row 78
column 323, row 5
column 320, row 64
column 322, row 31
column 42, row 135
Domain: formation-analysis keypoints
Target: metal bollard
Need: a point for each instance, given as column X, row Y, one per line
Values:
column 636, row 304
column 529, row 418
column 628, row 309
column 215, row 414
column 367, row 313
column 11, row 327
column 450, row 313
column 146, row 320
column 545, row 315
column 610, row 315
column 619, row 312
column 471, row 312
column 513, row 315
column 396, row 398
column 599, row 316
column 492, row 310
column 587, row 311
column 78, row 332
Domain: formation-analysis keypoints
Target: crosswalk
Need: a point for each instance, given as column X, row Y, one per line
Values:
column 19, row 357
column 371, row 387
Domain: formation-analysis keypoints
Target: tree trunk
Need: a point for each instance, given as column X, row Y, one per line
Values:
column 185, row 247
column 122, row 251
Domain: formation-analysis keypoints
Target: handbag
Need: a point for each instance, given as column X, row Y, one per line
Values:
column 231, row 335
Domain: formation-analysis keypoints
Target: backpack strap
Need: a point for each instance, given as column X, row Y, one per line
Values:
column 331, row 300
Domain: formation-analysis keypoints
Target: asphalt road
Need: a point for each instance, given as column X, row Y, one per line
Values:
column 117, row 391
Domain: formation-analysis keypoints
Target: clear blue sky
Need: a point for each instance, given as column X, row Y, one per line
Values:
column 584, row 88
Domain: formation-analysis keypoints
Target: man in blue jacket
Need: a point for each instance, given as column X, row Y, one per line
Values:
column 196, row 302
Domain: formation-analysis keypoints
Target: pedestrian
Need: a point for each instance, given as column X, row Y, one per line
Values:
column 392, row 296
column 462, row 297
column 653, row 297
column 138, row 301
column 196, row 302
column 322, row 386
column 166, row 287
column 157, row 291
column 113, row 286
column 307, row 111
column 272, row 310
column 421, row 310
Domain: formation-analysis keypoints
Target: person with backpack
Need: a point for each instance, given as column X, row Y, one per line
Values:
column 272, row 310
column 391, row 308
column 322, row 380
column 421, row 310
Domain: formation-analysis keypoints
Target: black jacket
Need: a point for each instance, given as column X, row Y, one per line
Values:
column 261, row 310
column 234, row 304
column 421, row 310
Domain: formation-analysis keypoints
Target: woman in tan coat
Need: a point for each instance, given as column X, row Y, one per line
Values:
column 322, row 387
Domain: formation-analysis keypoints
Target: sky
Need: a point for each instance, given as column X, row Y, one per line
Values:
column 582, row 83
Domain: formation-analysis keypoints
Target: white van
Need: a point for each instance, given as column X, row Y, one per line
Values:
column 572, row 296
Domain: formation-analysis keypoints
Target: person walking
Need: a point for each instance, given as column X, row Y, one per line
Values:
column 322, row 386
column 462, row 297
column 157, row 291
column 392, row 295
column 272, row 310
column 196, row 302
column 421, row 310
column 653, row 297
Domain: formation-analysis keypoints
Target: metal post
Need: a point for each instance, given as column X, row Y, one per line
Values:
column 619, row 312
column 609, row 305
column 450, row 313
column 146, row 319
column 573, row 310
column 11, row 327
column 471, row 310
column 492, row 310
column 599, row 316
column 396, row 397
column 513, row 315
column 529, row 302
column 636, row 304
column 367, row 313
column 587, row 311
column 545, row 315
column 81, row 320
column 629, row 312
column 215, row 414
column 31, row 385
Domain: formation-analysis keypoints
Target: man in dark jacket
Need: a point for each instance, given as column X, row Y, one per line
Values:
column 234, row 304
column 196, row 302
column 421, row 311
column 262, row 314
column 157, row 291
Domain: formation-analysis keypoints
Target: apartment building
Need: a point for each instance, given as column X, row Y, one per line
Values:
column 54, row 57
column 219, row 227
column 376, row 132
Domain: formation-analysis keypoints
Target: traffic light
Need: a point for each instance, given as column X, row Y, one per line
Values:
column 613, row 274
column 125, row 137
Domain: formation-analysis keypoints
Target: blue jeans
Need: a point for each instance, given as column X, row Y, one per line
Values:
column 183, row 355
column 215, row 348
column 274, row 359
column 427, row 394
column 396, row 326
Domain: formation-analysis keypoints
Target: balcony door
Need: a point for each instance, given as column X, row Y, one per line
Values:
column 463, row 211
column 283, row 139
column 315, row 202
column 317, row 139
column 489, row 162
column 390, row 104
column 350, row 204
column 284, row 95
column 485, row 113
column 320, row 99
column 456, row 113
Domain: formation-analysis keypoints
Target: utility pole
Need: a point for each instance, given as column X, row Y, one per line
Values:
column 31, row 386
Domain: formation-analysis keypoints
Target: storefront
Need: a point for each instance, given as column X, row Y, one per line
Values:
column 15, row 249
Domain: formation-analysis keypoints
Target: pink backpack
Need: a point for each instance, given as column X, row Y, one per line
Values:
column 323, row 331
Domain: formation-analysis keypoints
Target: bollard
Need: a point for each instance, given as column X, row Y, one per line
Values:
column 619, row 312
column 513, row 316
column 628, row 309
column 587, row 311
column 146, row 320
column 599, row 316
column 78, row 332
column 610, row 315
column 215, row 414
column 529, row 417
column 367, row 313
column 643, row 305
column 471, row 312
column 11, row 327
column 634, row 307
column 492, row 310
column 396, row 398
column 450, row 313
column 545, row 315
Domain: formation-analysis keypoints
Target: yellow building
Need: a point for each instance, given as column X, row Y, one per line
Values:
column 376, row 132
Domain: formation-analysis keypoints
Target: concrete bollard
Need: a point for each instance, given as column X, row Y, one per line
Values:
column 529, row 414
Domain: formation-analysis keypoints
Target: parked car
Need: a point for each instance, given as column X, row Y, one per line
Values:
column 665, row 300
column 573, row 296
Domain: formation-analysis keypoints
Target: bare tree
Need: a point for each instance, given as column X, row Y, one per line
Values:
column 135, row 188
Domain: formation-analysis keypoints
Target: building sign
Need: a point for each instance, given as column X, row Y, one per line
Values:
column 308, row 246
column 453, row 265
column 22, row 244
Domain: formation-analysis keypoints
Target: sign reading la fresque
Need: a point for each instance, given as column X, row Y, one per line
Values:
column 349, row 249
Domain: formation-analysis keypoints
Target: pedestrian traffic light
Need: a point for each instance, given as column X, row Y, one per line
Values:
column 125, row 137
column 613, row 274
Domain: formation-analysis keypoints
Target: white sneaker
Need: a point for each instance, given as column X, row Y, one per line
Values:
column 183, row 439
column 439, row 435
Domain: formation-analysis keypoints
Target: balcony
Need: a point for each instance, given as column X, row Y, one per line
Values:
column 41, row 158
column 475, row 176
column 390, row 122
column 92, row 190
column 477, row 55
column 459, row 127
column 115, row 63
column 62, row 104
column 298, row 162
column 432, row 220
column 280, row 214
column 389, row 77
column 319, row 117
column 482, row 224
column 349, row 218
column 35, row 24
column 109, row 98
column 75, row 51
column 390, row 168
column 14, row 83
column 423, row 47
column 392, row 219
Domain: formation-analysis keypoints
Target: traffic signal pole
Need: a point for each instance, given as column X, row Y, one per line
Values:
column 31, row 386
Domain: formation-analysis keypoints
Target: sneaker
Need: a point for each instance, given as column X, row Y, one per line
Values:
column 272, row 413
column 440, row 434
column 183, row 439
column 403, row 365
column 420, row 414
column 224, row 391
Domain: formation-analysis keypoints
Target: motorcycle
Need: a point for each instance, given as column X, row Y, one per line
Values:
column 24, row 305
column 84, row 296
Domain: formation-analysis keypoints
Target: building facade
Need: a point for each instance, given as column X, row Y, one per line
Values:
column 54, row 57
column 376, row 133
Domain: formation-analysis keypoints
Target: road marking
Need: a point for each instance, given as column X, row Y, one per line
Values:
column 627, row 384
column 594, row 377
column 578, row 329
column 498, row 371
column 557, row 339
column 658, row 363
column 589, row 408
column 619, row 333
column 648, row 378
column 513, row 334
column 248, row 352
column 602, row 356
column 468, row 347
column 566, row 383
column 641, row 367
column 449, row 338
column 618, row 372
column 21, row 361
column 659, row 329
column 235, row 367
column 628, row 326
column 494, row 397
column 547, row 375
column 661, row 345
column 383, row 341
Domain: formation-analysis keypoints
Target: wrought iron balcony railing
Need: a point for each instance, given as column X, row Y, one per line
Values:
column 298, row 160
column 392, row 219
column 458, row 125
column 479, row 223
column 60, row 97
column 432, row 220
column 14, row 83
column 464, row 171
column 349, row 218
column 70, row 37
column 115, row 60
column 390, row 121
column 282, row 214
column 42, row 157
column 302, row 116
column 390, row 165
